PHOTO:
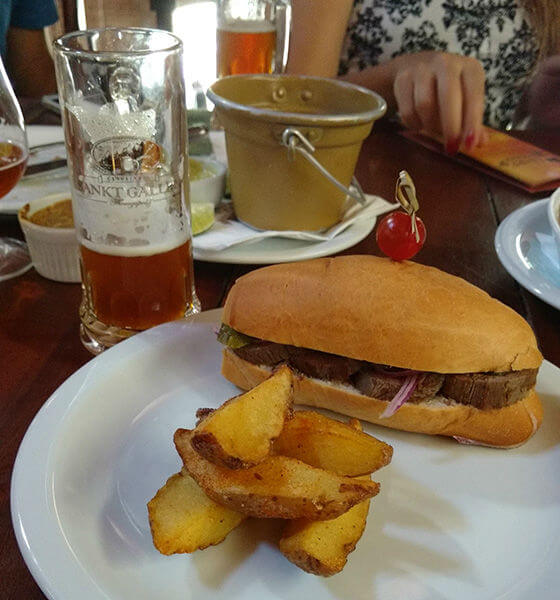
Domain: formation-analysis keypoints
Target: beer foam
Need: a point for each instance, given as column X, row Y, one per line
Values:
column 132, row 251
column 242, row 26
column 108, row 121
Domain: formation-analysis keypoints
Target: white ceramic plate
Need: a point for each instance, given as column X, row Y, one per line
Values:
column 526, row 247
column 450, row 521
column 278, row 250
column 44, row 134
column 27, row 190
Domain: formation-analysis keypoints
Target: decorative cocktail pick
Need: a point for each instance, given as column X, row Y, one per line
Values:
column 400, row 235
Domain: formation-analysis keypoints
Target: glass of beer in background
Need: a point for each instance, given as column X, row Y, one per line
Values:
column 123, row 104
column 251, row 36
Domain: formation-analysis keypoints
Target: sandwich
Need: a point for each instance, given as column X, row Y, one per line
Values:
column 398, row 344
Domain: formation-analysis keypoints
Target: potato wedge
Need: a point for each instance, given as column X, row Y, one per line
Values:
column 240, row 433
column 184, row 519
column 329, row 444
column 322, row 547
column 278, row 487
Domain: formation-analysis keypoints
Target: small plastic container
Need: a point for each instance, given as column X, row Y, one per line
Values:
column 54, row 250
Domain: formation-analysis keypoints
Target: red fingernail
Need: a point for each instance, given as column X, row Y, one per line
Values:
column 452, row 146
column 469, row 140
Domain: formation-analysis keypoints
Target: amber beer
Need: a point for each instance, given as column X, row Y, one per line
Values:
column 12, row 164
column 135, row 290
column 126, row 138
column 245, row 47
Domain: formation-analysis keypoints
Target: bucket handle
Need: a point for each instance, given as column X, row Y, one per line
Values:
column 295, row 141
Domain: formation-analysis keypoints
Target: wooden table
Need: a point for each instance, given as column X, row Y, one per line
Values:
column 39, row 318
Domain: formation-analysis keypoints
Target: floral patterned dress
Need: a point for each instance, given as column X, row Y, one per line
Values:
column 496, row 32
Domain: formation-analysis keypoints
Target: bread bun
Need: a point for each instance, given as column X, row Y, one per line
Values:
column 402, row 314
column 505, row 427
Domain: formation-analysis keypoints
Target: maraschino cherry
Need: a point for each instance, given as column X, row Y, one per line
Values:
column 401, row 234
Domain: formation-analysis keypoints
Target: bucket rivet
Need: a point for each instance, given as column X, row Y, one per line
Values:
column 306, row 95
column 279, row 93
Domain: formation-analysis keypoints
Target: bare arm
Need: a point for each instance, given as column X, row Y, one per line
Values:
column 437, row 92
column 29, row 64
column 318, row 28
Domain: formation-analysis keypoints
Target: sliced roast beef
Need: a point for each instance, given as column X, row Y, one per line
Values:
column 481, row 390
column 489, row 390
column 383, row 385
column 263, row 353
column 322, row 365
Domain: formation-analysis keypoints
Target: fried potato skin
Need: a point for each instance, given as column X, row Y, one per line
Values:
column 239, row 434
column 278, row 487
column 330, row 444
column 322, row 547
column 183, row 519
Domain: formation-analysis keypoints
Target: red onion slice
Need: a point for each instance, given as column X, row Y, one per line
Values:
column 468, row 442
column 464, row 440
column 407, row 389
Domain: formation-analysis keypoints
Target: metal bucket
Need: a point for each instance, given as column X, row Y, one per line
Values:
column 292, row 144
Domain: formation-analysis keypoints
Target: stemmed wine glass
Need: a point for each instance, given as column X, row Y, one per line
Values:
column 14, row 257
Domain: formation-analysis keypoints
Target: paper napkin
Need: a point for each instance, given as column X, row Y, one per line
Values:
column 231, row 233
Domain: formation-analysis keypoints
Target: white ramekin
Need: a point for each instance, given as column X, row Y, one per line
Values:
column 209, row 189
column 54, row 250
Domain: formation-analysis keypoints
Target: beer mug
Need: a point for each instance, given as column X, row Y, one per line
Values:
column 252, row 37
column 123, row 104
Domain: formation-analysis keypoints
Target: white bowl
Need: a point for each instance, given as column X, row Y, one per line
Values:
column 54, row 250
column 554, row 216
column 209, row 189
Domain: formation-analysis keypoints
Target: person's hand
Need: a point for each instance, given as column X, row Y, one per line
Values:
column 544, row 95
column 442, row 94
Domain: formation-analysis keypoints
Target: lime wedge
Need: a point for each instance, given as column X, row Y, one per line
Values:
column 202, row 216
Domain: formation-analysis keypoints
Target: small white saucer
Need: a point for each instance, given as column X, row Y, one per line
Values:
column 528, row 250
column 272, row 250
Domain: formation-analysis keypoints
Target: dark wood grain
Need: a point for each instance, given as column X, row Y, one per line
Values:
column 455, row 205
column 70, row 15
column 39, row 341
column 544, row 319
